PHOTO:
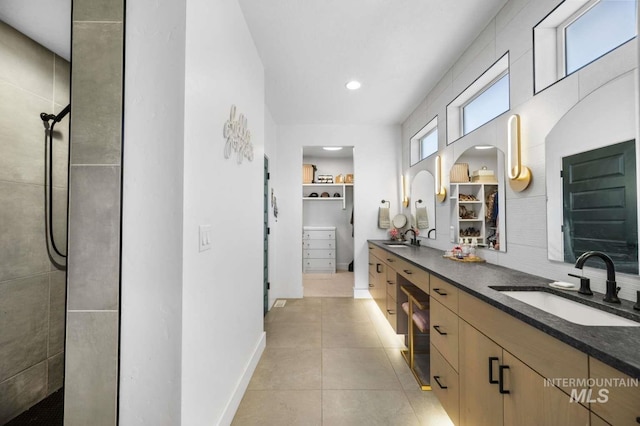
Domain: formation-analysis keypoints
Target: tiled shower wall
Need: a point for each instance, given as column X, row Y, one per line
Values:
column 91, row 380
column 32, row 290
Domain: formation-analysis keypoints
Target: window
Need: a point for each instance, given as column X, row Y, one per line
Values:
column 425, row 142
column 492, row 102
column 577, row 33
column 601, row 28
column 485, row 99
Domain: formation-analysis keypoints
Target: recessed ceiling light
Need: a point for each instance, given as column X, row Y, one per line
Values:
column 332, row 148
column 353, row 85
column 484, row 147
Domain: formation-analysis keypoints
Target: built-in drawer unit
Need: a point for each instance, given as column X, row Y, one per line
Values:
column 319, row 249
column 444, row 331
column 445, row 293
column 444, row 383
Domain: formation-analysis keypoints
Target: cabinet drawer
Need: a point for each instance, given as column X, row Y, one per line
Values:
column 445, row 293
column 446, row 388
column 318, row 244
column 547, row 355
column 319, row 265
column 622, row 406
column 444, row 332
column 318, row 235
column 377, row 252
column 417, row 276
column 319, row 254
column 392, row 312
column 392, row 283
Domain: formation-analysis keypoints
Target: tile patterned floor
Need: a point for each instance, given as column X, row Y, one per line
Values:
column 339, row 284
column 334, row 361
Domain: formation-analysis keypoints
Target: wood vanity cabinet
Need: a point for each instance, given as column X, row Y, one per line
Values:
column 503, row 365
column 622, row 405
column 378, row 281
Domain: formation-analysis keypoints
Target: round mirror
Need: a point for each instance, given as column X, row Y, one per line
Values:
column 399, row 221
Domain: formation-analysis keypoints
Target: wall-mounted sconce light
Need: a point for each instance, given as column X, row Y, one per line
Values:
column 519, row 175
column 441, row 191
column 405, row 198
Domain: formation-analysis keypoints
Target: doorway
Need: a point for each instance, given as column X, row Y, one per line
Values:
column 327, row 219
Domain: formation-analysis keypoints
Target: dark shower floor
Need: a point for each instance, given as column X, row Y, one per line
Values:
column 48, row 412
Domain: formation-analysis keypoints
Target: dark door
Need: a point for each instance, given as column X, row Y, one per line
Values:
column 266, row 237
column 600, row 207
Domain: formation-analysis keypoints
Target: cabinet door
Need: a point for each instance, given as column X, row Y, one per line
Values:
column 530, row 403
column 480, row 401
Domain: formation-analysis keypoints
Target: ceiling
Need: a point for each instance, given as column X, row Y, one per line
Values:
column 397, row 49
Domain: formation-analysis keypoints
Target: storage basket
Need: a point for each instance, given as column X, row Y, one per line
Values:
column 459, row 173
column 308, row 173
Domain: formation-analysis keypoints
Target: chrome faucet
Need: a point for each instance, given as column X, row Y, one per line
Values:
column 430, row 231
column 414, row 239
column 612, row 290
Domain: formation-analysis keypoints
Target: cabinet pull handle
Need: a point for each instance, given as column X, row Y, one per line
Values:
column 370, row 264
column 370, row 248
column 438, row 382
column 378, row 268
column 408, row 272
column 437, row 328
column 390, row 282
column 390, row 260
column 638, row 419
column 390, row 312
column 501, row 379
column 371, row 285
column 440, row 292
column 491, row 359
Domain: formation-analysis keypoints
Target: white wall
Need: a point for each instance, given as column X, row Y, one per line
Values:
column 223, row 334
column 526, row 214
column 151, row 289
column 376, row 172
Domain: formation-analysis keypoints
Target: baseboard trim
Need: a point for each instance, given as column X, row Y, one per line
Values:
column 361, row 293
column 234, row 402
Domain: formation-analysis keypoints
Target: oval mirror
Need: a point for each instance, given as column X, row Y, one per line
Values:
column 423, row 205
column 477, row 198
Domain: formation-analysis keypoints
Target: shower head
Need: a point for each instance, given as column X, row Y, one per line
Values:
column 46, row 118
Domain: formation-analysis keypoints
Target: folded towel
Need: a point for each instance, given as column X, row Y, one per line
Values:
column 422, row 218
column 384, row 221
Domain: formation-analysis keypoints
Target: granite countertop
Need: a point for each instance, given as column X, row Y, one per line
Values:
column 618, row 347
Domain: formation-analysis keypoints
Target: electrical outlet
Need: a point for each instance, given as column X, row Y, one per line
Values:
column 206, row 237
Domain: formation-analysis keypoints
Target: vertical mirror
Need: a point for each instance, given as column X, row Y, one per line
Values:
column 327, row 217
column 423, row 204
column 477, row 196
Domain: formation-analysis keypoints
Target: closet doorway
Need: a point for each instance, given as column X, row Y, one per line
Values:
column 327, row 220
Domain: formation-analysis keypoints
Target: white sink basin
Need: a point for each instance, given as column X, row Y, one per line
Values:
column 570, row 310
column 396, row 245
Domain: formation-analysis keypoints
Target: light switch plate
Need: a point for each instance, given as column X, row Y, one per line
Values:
column 206, row 237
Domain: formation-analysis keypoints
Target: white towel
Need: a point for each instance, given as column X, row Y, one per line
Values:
column 422, row 218
column 384, row 221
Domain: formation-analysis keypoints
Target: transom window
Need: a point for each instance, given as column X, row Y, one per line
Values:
column 485, row 99
column 578, row 32
column 425, row 142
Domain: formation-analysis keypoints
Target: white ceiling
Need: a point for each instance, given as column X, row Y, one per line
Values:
column 46, row 21
column 397, row 49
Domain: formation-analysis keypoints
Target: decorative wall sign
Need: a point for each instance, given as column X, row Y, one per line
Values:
column 238, row 137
